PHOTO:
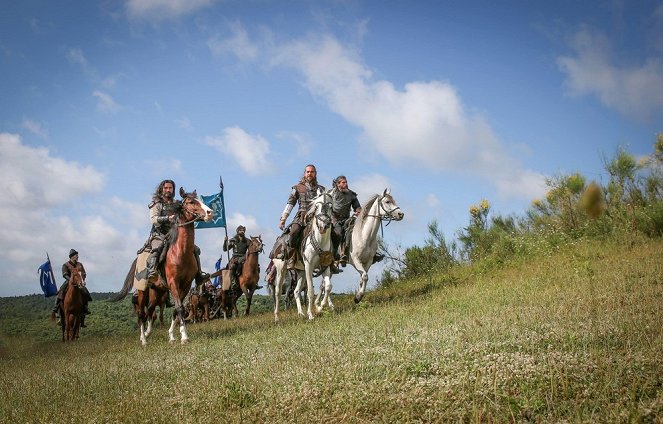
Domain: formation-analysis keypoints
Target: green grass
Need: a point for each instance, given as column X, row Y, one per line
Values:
column 572, row 336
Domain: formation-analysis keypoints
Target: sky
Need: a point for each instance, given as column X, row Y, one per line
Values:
column 445, row 103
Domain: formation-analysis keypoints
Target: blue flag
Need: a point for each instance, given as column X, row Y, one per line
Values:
column 217, row 279
column 47, row 279
column 215, row 202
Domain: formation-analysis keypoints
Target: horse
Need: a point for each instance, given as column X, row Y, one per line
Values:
column 159, row 296
column 200, row 301
column 364, row 237
column 179, row 269
column 248, row 279
column 72, row 307
column 315, row 252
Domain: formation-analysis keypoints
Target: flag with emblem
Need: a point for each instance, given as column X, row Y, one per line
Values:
column 47, row 279
column 214, row 202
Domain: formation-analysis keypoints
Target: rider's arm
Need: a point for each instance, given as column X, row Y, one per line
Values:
column 155, row 213
column 83, row 273
column 65, row 272
column 292, row 200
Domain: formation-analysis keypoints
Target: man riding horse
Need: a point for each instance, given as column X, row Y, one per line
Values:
column 67, row 268
column 301, row 193
column 342, row 200
column 239, row 245
column 163, row 214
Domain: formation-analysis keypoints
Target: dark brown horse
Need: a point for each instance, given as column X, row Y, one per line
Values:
column 248, row 279
column 73, row 307
column 158, row 296
column 179, row 269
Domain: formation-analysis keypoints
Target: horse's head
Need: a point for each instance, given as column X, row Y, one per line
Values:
column 76, row 279
column 388, row 208
column 255, row 244
column 320, row 209
column 193, row 208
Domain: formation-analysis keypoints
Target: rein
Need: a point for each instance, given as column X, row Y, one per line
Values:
column 387, row 216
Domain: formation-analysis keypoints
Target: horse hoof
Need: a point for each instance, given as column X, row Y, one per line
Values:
column 184, row 341
column 357, row 300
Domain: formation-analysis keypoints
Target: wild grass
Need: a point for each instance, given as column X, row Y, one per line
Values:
column 575, row 335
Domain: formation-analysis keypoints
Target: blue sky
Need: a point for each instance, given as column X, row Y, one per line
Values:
column 446, row 103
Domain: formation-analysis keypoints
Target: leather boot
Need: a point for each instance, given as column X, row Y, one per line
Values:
column 55, row 313
column 152, row 273
column 83, row 319
column 200, row 276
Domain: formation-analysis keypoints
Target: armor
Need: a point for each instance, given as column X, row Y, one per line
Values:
column 302, row 194
column 341, row 204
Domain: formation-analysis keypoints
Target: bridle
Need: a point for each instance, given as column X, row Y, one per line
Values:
column 387, row 215
column 196, row 217
column 256, row 241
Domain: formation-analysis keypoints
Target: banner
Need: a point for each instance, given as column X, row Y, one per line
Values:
column 214, row 202
column 47, row 279
column 217, row 279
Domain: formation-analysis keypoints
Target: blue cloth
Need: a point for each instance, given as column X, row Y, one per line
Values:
column 215, row 202
column 47, row 279
column 217, row 279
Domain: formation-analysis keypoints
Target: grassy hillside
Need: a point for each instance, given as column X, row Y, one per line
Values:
column 573, row 336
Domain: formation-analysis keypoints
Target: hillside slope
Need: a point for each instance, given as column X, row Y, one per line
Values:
column 574, row 336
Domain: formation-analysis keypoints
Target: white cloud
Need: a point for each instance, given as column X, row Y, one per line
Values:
column 250, row 152
column 164, row 9
column 424, row 124
column 184, row 123
column 368, row 185
column 239, row 44
column 432, row 200
column 635, row 91
column 44, row 196
column 105, row 102
column 35, row 127
column 302, row 142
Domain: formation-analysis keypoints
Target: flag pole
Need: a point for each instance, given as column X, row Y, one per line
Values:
column 225, row 227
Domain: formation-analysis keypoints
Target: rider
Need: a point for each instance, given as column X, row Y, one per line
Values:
column 67, row 268
column 239, row 245
column 163, row 214
column 302, row 193
column 342, row 200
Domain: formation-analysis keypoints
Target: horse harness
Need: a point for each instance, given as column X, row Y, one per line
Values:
column 387, row 215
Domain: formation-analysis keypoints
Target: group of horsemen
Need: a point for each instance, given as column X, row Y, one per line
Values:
column 164, row 211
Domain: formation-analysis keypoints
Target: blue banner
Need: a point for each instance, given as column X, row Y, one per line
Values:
column 47, row 279
column 217, row 279
column 215, row 202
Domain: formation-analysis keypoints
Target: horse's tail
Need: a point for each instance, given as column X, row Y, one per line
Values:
column 128, row 283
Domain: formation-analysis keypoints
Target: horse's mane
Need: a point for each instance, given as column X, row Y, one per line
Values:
column 172, row 233
column 367, row 207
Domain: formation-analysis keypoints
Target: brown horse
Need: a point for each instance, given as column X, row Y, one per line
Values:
column 248, row 279
column 200, row 305
column 179, row 269
column 181, row 266
column 158, row 296
column 72, row 307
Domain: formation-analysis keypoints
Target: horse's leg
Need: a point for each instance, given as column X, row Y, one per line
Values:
column 278, row 282
column 142, row 298
column 179, row 312
column 363, row 280
column 326, row 284
column 298, row 289
column 171, row 330
column 309, row 290
column 151, row 309
column 249, row 296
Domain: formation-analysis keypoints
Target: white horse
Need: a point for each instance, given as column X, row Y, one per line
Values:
column 364, row 243
column 316, row 255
